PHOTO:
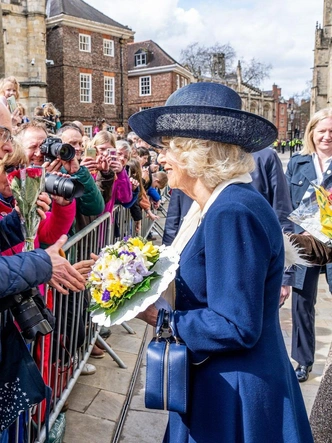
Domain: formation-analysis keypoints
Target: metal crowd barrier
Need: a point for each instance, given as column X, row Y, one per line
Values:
column 62, row 354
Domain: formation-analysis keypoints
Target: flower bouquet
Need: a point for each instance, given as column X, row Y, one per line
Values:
column 26, row 184
column 127, row 278
column 314, row 213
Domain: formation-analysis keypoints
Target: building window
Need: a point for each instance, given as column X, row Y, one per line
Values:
column 182, row 82
column 88, row 130
column 282, row 110
column 108, row 46
column 177, row 81
column 109, row 90
column 145, row 85
column 142, row 108
column 85, row 42
column 85, row 88
column 141, row 58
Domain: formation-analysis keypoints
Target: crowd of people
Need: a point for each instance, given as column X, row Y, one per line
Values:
column 230, row 201
column 110, row 170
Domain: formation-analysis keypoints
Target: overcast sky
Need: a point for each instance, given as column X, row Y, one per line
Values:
column 280, row 33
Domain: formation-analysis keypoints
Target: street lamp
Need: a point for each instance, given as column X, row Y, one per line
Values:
column 291, row 147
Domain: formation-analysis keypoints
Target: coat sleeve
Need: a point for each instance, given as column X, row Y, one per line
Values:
column 91, row 202
column 123, row 188
column 11, row 225
column 58, row 222
column 23, row 271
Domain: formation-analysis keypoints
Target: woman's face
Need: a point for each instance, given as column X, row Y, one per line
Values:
column 176, row 173
column 9, row 89
column 322, row 137
column 4, row 185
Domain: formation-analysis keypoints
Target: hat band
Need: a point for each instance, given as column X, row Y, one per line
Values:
column 193, row 122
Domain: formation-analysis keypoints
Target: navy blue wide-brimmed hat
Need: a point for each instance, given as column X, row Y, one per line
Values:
column 207, row 111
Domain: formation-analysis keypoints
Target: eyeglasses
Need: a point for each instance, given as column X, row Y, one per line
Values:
column 5, row 135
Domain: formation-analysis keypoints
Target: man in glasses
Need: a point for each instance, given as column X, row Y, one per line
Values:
column 29, row 269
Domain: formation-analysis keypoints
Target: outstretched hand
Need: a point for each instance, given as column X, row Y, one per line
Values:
column 84, row 266
column 63, row 273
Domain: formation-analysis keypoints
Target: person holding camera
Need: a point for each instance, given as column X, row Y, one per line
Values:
column 29, row 269
column 112, row 178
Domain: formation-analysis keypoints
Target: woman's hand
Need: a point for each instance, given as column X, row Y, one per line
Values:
column 90, row 163
column 62, row 271
column 150, row 315
column 43, row 202
column 84, row 266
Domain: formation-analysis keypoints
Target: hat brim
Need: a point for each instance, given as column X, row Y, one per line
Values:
column 225, row 125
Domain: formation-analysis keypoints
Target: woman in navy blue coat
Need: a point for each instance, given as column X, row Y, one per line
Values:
column 242, row 385
column 313, row 163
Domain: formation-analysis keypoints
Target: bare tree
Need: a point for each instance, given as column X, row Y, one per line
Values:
column 255, row 72
column 202, row 60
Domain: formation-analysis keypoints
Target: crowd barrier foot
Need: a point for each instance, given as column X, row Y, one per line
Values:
column 110, row 351
column 128, row 328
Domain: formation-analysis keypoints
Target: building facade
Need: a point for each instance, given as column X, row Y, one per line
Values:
column 23, row 49
column 87, row 71
column 153, row 76
column 321, row 92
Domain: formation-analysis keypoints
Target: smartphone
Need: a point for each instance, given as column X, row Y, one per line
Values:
column 112, row 153
column 91, row 152
column 11, row 103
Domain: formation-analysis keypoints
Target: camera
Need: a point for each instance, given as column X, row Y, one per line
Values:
column 52, row 148
column 29, row 317
column 68, row 188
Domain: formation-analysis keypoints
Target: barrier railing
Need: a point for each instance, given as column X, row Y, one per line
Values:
column 62, row 354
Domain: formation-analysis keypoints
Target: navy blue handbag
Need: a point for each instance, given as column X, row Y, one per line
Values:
column 167, row 368
column 21, row 384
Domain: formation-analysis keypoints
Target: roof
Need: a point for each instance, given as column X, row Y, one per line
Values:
column 79, row 9
column 157, row 56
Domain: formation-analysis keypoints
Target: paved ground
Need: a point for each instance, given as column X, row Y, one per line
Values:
column 109, row 407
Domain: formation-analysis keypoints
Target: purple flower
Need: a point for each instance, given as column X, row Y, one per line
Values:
column 106, row 295
column 127, row 253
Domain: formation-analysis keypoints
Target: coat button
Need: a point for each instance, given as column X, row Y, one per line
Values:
column 300, row 182
column 328, row 171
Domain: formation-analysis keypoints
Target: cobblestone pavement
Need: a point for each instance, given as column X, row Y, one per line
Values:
column 109, row 407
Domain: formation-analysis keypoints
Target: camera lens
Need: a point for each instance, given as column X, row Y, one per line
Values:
column 69, row 188
column 65, row 151
column 30, row 319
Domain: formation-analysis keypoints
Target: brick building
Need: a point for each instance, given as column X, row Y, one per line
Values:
column 87, row 72
column 153, row 76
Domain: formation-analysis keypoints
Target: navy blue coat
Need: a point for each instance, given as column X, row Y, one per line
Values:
column 21, row 271
column 227, row 312
column 300, row 171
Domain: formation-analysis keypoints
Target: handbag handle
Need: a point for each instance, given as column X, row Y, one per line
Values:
column 165, row 322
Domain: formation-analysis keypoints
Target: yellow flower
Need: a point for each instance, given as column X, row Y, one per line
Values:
column 136, row 241
column 116, row 288
column 149, row 250
column 96, row 294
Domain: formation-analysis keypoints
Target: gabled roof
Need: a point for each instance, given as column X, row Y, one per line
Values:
column 157, row 56
column 79, row 9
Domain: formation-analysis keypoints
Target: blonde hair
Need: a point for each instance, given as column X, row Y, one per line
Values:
column 16, row 158
column 103, row 137
column 162, row 178
column 308, row 138
column 10, row 79
column 212, row 162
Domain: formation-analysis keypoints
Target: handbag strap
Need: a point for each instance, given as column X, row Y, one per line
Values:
column 166, row 323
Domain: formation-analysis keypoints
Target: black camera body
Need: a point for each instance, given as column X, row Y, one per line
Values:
column 52, row 148
column 32, row 319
